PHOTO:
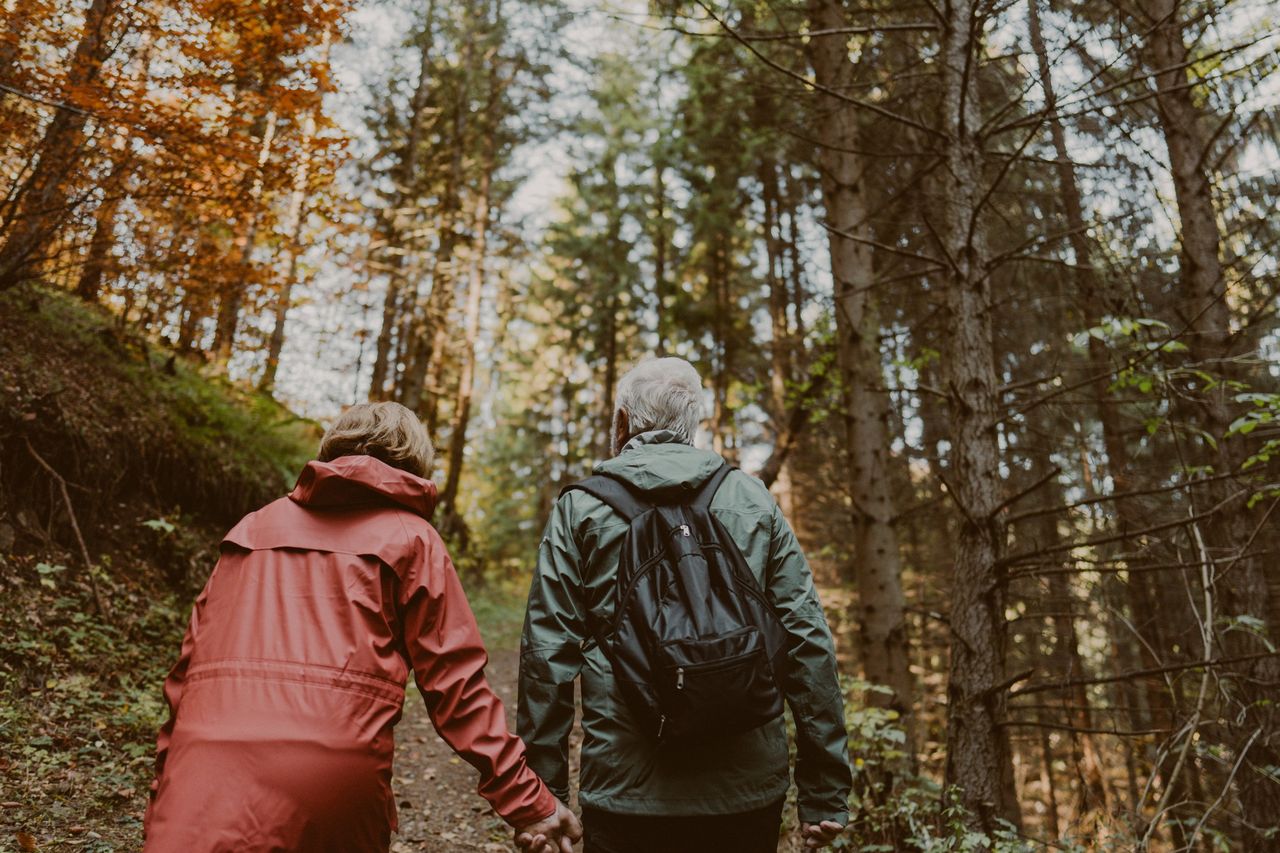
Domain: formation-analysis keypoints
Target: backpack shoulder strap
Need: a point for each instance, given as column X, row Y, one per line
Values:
column 702, row 499
column 612, row 492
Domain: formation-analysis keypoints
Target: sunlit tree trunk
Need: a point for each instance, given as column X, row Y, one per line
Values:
column 432, row 312
column 876, row 567
column 295, row 218
column 405, row 175
column 232, row 298
column 467, row 368
column 478, row 266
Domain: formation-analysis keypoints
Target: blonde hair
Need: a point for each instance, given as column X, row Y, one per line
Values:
column 386, row 431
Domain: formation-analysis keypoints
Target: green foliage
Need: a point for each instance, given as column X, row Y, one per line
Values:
column 80, row 701
column 1265, row 410
column 893, row 809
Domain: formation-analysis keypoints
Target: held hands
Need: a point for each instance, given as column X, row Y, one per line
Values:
column 553, row 834
column 817, row 836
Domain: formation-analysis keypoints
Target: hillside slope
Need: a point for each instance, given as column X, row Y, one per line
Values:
column 110, row 441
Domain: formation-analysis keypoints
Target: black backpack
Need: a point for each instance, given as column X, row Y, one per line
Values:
column 694, row 644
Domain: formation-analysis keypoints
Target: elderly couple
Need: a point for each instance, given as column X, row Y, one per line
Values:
column 670, row 583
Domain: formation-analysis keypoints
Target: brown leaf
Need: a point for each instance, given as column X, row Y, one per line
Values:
column 27, row 842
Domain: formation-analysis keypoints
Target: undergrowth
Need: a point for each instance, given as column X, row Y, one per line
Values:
column 80, row 703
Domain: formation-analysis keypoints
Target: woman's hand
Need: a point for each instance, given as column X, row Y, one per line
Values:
column 819, row 835
column 555, row 833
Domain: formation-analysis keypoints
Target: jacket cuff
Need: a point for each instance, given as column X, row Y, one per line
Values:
column 543, row 806
column 817, row 814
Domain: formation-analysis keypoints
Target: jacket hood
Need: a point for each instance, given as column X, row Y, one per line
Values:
column 658, row 461
column 349, row 482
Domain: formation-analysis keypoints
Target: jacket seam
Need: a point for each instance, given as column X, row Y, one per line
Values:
column 214, row 662
column 361, row 690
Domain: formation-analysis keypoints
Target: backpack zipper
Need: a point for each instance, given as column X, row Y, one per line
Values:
column 680, row 678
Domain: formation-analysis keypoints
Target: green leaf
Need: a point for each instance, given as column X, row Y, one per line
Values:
column 161, row 525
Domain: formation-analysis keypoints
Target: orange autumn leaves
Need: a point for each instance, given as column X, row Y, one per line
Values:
column 151, row 148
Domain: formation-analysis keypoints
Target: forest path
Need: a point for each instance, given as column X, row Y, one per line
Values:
column 436, row 791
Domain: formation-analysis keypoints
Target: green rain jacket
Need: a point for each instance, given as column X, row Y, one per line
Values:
column 623, row 772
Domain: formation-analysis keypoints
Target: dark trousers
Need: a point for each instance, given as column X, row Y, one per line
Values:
column 749, row 832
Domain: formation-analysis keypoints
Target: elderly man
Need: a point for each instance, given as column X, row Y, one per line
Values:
column 640, row 789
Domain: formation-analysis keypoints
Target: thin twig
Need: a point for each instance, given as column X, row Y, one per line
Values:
column 98, row 603
column 1040, row 687
column 1195, row 833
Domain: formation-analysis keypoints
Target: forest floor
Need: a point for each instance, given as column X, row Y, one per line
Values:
column 436, row 791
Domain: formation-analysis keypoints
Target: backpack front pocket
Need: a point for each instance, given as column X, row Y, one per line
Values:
column 716, row 686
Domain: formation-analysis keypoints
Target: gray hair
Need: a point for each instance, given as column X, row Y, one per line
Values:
column 662, row 393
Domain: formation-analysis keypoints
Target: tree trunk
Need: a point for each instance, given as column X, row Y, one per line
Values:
column 295, row 218
column 48, row 196
column 467, row 369
column 233, row 298
column 661, row 321
column 978, row 756
column 432, row 313
column 1240, row 579
column 89, row 284
column 452, row 521
column 876, row 566
column 395, row 227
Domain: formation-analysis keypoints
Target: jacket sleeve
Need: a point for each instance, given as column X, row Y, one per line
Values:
column 823, row 776
column 551, row 651
column 448, row 659
column 173, row 687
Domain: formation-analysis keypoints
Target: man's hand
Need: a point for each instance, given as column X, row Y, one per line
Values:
column 817, row 836
column 553, row 834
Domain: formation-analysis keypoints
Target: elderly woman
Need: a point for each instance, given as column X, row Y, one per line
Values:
column 293, row 670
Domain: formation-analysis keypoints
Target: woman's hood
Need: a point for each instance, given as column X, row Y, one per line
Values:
column 351, row 482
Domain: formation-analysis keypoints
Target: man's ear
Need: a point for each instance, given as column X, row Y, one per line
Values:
column 621, row 430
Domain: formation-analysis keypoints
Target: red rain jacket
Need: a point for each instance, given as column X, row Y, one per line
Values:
column 292, row 675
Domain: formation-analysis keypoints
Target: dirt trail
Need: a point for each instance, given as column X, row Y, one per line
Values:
column 436, row 791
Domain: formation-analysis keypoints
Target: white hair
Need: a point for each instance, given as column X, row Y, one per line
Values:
column 661, row 393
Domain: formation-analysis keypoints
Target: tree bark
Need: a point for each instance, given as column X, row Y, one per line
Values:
column 295, row 218
column 876, row 567
column 1240, row 578
column 233, row 298
column 432, row 312
column 978, row 755
column 405, row 176
column 452, row 520
column 467, row 369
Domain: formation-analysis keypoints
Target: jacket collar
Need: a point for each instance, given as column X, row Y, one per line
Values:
column 350, row 482
column 653, row 436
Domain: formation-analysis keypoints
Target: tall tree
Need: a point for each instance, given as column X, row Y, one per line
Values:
column 876, row 566
column 978, row 754
column 1202, row 304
